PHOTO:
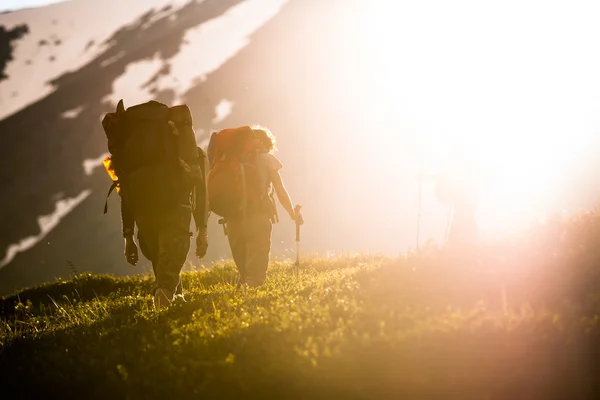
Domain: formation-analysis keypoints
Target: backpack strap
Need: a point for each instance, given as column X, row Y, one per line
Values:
column 110, row 190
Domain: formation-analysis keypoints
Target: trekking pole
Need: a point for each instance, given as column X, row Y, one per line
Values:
column 299, row 221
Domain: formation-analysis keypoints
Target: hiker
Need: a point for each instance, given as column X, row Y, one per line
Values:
column 160, row 174
column 243, row 179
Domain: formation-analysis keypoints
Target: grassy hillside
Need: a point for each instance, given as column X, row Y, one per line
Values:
column 514, row 320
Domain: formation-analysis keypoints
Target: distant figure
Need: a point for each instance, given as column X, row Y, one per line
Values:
column 243, row 176
column 160, row 175
column 458, row 188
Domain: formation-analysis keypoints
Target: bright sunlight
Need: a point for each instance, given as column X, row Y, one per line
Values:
column 510, row 88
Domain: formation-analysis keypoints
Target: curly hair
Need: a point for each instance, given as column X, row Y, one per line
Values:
column 265, row 136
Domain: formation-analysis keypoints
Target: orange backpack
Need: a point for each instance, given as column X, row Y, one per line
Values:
column 233, row 181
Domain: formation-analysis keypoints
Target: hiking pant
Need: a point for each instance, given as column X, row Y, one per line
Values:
column 250, row 242
column 165, row 241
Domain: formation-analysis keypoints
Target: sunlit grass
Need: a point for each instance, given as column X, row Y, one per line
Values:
column 519, row 319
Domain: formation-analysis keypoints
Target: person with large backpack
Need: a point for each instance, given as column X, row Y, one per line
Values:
column 243, row 178
column 160, row 174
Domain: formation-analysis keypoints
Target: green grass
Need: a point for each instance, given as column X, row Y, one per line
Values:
column 516, row 320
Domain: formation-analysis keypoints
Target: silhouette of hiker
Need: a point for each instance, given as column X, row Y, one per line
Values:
column 161, row 174
column 249, row 231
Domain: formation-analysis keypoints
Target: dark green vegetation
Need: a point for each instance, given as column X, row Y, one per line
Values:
column 517, row 320
column 7, row 39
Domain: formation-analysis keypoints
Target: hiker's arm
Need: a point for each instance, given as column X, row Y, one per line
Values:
column 201, row 212
column 282, row 193
column 131, row 250
column 127, row 220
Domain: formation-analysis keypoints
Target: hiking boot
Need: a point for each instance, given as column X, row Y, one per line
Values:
column 253, row 281
column 162, row 298
column 179, row 298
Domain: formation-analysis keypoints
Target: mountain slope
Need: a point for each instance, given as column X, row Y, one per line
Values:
column 57, row 135
column 289, row 65
column 353, row 90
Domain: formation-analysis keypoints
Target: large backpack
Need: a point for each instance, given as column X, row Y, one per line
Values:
column 154, row 157
column 234, row 178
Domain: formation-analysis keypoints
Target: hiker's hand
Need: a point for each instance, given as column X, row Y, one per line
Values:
column 201, row 242
column 297, row 215
column 298, row 219
column 131, row 250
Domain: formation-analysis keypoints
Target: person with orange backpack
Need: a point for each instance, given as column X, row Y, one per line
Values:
column 243, row 178
column 160, row 175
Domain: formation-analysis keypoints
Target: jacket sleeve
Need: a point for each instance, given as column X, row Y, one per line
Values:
column 201, row 211
column 127, row 219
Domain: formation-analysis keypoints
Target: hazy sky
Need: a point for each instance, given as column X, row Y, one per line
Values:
column 511, row 86
column 18, row 4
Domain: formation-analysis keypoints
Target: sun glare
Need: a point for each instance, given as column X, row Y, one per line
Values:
column 508, row 88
